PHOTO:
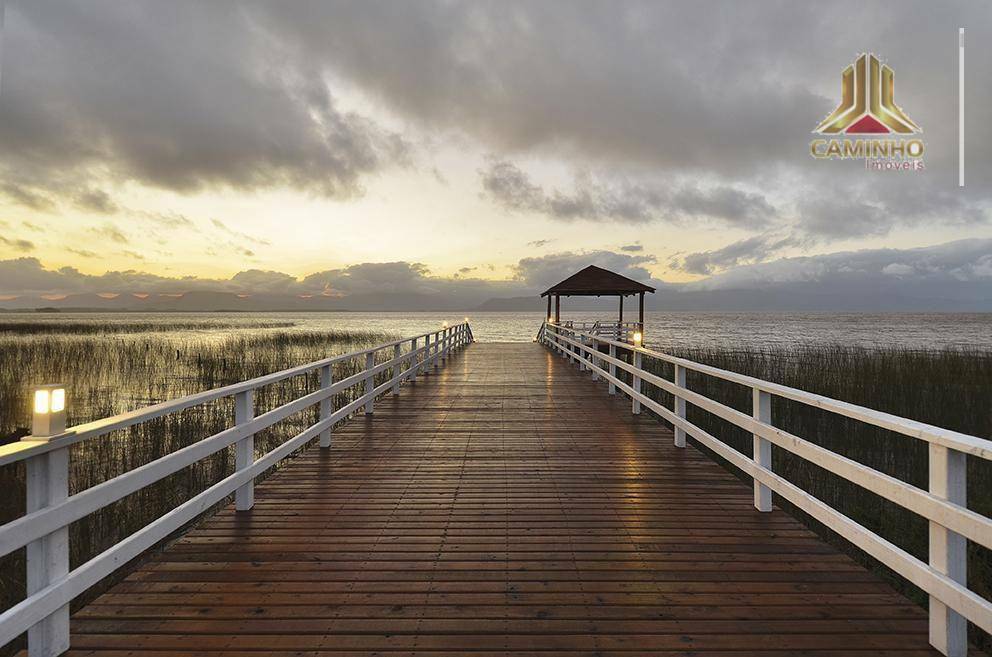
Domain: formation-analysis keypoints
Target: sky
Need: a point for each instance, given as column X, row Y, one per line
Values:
column 482, row 149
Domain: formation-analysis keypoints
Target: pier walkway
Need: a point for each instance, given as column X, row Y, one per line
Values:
column 503, row 505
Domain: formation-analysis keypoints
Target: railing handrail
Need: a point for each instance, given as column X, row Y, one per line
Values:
column 51, row 585
column 952, row 524
column 26, row 447
column 956, row 440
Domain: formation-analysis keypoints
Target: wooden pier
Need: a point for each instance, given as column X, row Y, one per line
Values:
column 504, row 505
column 456, row 498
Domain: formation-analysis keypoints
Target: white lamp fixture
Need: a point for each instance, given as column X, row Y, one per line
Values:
column 48, row 418
column 444, row 325
column 637, row 338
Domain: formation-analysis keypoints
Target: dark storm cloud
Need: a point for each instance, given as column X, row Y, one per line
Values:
column 175, row 95
column 188, row 96
column 623, row 201
column 726, row 90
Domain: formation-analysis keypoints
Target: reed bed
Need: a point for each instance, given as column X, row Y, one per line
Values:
column 106, row 375
column 947, row 388
column 58, row 327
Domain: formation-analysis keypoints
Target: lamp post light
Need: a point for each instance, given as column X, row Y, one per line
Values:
column 637, row 338
column 49, row 411
column 47, row 484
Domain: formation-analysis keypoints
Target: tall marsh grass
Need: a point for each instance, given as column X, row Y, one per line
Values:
column 110, row 374
column 946, row 388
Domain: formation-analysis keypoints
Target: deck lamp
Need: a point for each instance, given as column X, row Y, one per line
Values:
column 637, row 338
column 444, row 324
column 49, row 411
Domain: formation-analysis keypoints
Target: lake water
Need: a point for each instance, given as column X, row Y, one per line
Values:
column 663, row 329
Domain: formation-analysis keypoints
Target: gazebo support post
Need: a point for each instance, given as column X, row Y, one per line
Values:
column 621, row 310
column 548, row 316
column 557, row 309
column 640, row 313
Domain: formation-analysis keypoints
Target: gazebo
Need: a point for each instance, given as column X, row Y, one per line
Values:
column 595, row 281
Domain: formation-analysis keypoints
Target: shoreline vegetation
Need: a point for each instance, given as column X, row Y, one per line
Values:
column 108, row 372
column 112, row 367
column 950, row 388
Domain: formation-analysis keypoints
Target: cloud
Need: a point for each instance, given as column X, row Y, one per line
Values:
column 632, row 248
column 96, row 201
column 17, row 244
column 29, row 198
column 936, row 275
column 110, row 232
column 746, row 251
column 82, row 253
column 243, row 236
column 658, row 123
column 539, row 243
column 543, row 271
column 834, row 212
column 941, row 268
column 620, row 200
column 105, row 89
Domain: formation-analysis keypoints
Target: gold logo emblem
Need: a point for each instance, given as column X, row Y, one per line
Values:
column 867, row 105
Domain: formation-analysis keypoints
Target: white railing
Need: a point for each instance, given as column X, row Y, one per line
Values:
column 944, row 505
column 44, row 614
column 614, row 330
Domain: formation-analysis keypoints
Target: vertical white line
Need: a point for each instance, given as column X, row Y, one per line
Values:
column 961, row 107
column 3, row 11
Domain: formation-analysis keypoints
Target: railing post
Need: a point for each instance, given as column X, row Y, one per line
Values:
column 326, row 405
column 594, row 357
column 438, row 336
column 413, row 361
column 47, row 483
column 635, row 404
column 613, row 369
column 244, row 454
column 762, row 412
column 395, row 370
column 425, row 361
column 369, row 381
column 679, row 405
column 948, row 550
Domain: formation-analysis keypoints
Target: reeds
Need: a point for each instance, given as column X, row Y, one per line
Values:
column 106, row 375
column 946, row 388
column 58, row 327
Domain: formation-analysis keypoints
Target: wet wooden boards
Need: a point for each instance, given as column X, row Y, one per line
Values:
column 504, row 505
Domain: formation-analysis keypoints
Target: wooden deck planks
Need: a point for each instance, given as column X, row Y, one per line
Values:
column 503, row 505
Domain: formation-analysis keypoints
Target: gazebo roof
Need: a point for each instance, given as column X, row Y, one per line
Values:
column 595, row 281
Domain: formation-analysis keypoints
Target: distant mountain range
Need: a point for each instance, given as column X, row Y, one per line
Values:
column 791, row 297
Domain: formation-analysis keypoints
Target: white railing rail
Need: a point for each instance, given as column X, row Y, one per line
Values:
column 616, row 330
column 944, row 505
column 50, row 510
